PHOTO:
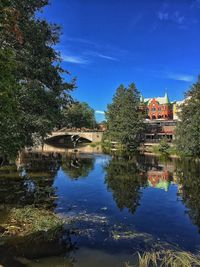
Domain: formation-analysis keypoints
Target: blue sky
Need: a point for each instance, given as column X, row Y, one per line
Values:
column 153, row 43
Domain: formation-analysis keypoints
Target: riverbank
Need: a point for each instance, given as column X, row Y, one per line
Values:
column 30, row 233
column 72, row 210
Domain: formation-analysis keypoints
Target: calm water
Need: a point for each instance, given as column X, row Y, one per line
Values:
column 113, row 206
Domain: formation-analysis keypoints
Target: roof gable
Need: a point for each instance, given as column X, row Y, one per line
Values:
column 160, row 100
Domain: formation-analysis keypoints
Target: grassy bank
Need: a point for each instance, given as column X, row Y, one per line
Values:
column 167, row 258
column 30, row 222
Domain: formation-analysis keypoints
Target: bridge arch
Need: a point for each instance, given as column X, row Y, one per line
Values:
column 90, row 136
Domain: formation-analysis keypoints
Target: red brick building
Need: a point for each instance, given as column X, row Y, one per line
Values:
column 158, row 108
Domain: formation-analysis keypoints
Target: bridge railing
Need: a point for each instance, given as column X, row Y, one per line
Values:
column 79, row 130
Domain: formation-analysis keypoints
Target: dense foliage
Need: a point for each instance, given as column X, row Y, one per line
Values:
column 188, row 129
column 32, row 89
column 164, row 147
column 125, row 120
column 79, row 115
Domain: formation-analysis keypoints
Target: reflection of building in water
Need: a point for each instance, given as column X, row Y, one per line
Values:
column 159, row 179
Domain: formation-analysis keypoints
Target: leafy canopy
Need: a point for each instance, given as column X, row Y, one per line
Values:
column 79, row 115
column 125, row 120
column 188, row 129
column 33, row 91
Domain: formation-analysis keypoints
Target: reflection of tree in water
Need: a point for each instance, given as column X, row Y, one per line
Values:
column 76, row 167
column 188, row 176
column 124, row 179
column 32, row 184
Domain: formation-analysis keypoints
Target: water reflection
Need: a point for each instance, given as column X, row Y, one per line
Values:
column 125, row 179
column 76, row 166
column 30, row 182
column 188, row 177
column 123, row 204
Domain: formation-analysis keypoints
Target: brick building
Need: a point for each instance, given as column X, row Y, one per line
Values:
column 158, row 108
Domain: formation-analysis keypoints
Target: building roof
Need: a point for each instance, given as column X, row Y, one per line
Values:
column 160, row 100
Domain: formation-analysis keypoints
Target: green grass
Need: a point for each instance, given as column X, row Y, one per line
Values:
column 95, row 144
column 11, row 175
column 30, row 221
column 168, row 258
column 8, row 168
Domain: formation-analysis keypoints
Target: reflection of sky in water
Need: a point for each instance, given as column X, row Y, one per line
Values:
column 118, row 206
column 30, row 186
column 159, row 211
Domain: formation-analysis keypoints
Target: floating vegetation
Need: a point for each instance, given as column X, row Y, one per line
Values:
column 118, row 235
column 90, row 218
column 168, row 258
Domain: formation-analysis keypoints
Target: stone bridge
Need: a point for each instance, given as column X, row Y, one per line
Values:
column 91, row 136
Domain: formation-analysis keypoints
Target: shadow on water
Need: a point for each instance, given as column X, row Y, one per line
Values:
column 123, row 205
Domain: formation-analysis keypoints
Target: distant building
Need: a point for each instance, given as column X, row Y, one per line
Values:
column 177, row 107
column 162, row 116
column 102, row 126
column 158, row 108
column 156, row 130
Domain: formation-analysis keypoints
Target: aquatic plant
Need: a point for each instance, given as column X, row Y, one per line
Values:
column 119, row 235
column 168, row 258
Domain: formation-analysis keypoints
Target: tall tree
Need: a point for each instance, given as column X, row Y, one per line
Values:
column 188, row 129
column 125, row 120
column 79, row 115
column 9, row 121
column 37, row 89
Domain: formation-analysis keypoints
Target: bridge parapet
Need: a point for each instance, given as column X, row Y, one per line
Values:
column 91, row 136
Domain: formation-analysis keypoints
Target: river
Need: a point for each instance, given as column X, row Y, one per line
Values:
column 114, row 207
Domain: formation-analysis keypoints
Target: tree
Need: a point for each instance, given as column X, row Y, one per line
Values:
column 188, row 129
column 125, row 120
column 33, row 85
column 164, row 147
column 9, row 136
column 79, row 115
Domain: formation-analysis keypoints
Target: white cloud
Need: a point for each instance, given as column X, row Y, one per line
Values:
column 107, row 57
column 172, row 75
column 100, row 112
column 74, row 59
column 175, row 17
column 97, row 54
column 163, row 15
column 85, row 58
column 195, row 3
column 178, row 18
column 180, row 77
column 80, row 40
